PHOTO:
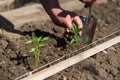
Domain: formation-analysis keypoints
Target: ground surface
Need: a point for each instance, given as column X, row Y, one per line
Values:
column 15, row 58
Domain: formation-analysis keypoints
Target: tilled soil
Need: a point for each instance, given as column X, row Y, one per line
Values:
column 15, row 58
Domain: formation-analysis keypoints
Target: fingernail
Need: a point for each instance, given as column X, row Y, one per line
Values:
column 80, row 33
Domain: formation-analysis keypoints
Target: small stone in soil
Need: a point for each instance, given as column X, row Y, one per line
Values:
column 8, row 51
column 113, row 49
column 4, row 44
column 1, row 51
column 104, row 51
column 2, row 62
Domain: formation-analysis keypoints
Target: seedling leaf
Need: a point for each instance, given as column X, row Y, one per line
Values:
column 39, row 39
column 34, row 37
column 29, row 42
column 72, row 41
column 75, row 31
column 42, row 45
column 32, row 50
column 38, row 45
column 45, row 39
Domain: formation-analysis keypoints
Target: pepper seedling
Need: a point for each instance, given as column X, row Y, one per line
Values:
column 38, row 45
column 75, row 33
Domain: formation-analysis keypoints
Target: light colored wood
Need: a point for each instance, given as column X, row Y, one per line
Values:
column 45, row 73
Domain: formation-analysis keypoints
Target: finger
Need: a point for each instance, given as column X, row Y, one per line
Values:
column 78, row 21
column 68, row 22
column 86, row 1
column 67, row 32
column 96, row 2
column 93, row 2
column 90, row 3
column 80, row 33
column 86, row 6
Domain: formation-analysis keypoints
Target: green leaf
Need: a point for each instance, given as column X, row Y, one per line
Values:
column 32, row 50
column 72, row 41
column 45, row 39
column 28, row 42
column 72, row 31
column 75, row 31
column 73, row 26
column 34, row 37
column 39, row 39
column 42, row 45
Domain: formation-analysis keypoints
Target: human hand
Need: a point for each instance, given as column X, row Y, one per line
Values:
column 89, row 2
column 66, row 18
column 61, row 17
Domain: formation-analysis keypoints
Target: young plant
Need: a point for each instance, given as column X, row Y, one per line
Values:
column 75, row 33
column 38, row 45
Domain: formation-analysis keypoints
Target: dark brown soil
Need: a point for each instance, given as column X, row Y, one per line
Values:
column 15, row 58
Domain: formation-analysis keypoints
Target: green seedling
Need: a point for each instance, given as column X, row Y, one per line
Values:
column 38, row 45
column 75, row 33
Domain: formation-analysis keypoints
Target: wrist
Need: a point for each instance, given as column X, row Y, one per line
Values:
column 54, row 15
column 56, row 11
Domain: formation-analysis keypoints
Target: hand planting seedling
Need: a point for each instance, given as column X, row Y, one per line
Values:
column 75, row 33
column 38, row 45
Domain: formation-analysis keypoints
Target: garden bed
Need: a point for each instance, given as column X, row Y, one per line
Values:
column 16, row 60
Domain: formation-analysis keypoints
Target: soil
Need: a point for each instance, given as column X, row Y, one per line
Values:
column 15, row 58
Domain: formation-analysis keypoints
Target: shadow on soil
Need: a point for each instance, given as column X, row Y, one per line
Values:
column 20, row 3
column 22, row 59
column 60, row 41
column 8, row 26
column 93, row 71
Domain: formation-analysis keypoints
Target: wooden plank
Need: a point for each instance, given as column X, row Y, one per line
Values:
column 45, row 73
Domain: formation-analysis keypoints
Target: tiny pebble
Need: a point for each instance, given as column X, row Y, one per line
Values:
column 64, row 78
column 1, row 55
column 104, row 51
column 8, row 51
column 30, row 73
column 2, row 62
column 23, row 68
column 113, row 49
